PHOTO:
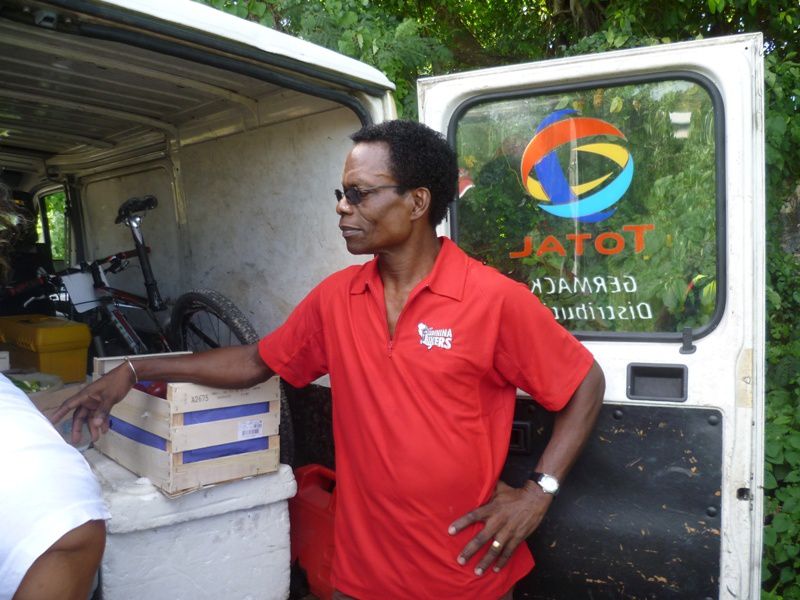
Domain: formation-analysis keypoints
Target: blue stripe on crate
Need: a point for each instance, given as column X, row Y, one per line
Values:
column 137, row 434
column 229, row 449
column 228, row 412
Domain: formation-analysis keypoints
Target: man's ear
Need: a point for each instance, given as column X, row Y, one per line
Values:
column 421, row 198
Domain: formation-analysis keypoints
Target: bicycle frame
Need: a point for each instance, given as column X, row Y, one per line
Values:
column 114, row 299
column 119, row 299
column 151, row 285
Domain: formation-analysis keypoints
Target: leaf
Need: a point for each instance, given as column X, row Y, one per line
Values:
column 773, row 449
column 350, row 18
column 257, row 8
column 709, row 295
column 769, row 481
column 792, row 477
column 770, row 537
column 773, row 298
column 782, row 523
column 787, row 574
column 776, row 125
column 616, row 104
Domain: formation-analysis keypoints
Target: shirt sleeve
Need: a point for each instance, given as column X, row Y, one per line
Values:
column 296, row 349
column 535, row 353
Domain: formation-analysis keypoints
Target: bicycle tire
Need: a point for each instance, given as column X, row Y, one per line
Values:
column 203, row 319
column 210, row 305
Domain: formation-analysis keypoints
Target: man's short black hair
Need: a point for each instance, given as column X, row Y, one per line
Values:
column 419, row 157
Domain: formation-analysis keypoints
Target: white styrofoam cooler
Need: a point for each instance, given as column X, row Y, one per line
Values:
column 228, row 541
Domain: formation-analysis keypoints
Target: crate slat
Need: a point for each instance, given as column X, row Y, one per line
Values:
column 139, row 458
column 203, row 435
column 190, row 397
column 145, row 412
column 217, row 470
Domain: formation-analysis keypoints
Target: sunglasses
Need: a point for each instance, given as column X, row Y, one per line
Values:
column 355, row 195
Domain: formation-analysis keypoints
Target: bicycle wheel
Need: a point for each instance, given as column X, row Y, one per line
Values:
column 205, row 319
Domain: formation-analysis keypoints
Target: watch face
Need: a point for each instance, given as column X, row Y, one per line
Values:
column 548, row 483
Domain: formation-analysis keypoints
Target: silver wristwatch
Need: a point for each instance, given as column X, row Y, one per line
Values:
column 548, row 483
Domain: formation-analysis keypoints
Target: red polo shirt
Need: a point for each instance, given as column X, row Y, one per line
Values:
column 422, row 421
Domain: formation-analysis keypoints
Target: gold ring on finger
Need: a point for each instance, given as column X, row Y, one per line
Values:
column 496, row 545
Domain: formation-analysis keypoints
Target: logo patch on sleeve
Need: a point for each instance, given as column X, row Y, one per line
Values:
column 429, row 337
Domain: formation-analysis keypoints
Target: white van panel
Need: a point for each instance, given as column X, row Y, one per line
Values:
column 262, row 225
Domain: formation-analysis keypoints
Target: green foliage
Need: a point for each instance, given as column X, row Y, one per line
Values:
column 782, row 481
column 57, row 224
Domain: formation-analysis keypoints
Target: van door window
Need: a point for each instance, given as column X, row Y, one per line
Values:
column 605, row 201
column 52, row 227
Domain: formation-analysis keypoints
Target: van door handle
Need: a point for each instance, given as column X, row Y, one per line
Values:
column 657, row 382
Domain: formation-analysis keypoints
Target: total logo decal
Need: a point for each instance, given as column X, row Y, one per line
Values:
column 586, row 202
column 429, row 337
column 550, row 185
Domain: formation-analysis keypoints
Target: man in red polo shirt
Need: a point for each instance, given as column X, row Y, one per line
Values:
column 425, row 349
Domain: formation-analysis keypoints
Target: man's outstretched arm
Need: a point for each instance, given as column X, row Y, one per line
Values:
column 233, row 367
column 513, row 514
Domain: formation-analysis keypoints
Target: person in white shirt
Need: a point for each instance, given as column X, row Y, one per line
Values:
column 52, row 515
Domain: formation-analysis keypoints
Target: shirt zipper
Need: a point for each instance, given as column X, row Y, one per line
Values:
column 410, row 298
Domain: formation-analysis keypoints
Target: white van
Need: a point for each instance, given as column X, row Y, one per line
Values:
column 626, row 189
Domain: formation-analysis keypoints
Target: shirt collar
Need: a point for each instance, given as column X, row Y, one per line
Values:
column 447, row 277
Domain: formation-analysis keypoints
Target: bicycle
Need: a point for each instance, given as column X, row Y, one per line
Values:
column 200, row 319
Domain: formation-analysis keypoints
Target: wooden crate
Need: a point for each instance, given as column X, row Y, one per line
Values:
column 184, row 442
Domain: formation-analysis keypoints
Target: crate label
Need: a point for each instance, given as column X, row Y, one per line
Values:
column 253, row 428
column 199, row 398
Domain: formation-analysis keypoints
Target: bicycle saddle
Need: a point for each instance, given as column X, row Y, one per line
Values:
column 135, row 205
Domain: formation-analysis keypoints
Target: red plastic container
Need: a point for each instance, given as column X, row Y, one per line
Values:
column 311, row 515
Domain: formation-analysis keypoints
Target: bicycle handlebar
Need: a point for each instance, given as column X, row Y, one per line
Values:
column 120, row 256
column 30, row 285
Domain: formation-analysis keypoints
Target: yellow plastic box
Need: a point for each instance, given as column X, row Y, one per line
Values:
column 47, row 344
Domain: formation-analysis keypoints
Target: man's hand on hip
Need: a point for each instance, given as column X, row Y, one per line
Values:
column 509, row 518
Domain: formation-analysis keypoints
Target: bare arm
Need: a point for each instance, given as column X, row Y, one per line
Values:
column 572, row 427
column 513, row 514
column 232, row 367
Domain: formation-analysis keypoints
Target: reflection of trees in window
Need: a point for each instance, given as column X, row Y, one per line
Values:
column 669, row 128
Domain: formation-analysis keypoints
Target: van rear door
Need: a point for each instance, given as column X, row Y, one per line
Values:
column 627, row 191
